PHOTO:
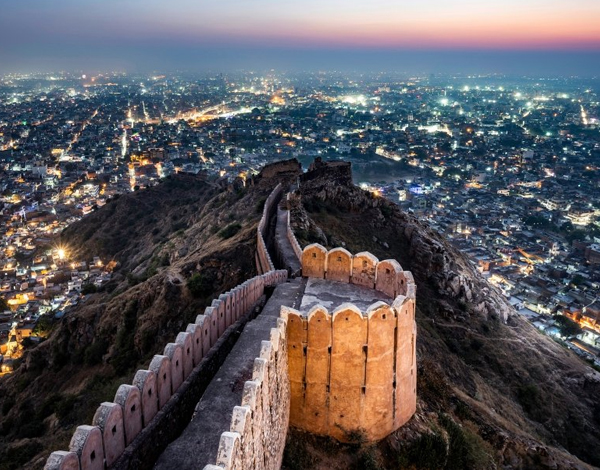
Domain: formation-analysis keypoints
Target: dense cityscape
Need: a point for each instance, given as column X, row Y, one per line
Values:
column 507, row 168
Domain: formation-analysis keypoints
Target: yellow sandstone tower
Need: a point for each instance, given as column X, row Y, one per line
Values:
column 353, row 368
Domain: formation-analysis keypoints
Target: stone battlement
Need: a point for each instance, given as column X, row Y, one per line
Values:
column 116, row 424
column 352, row 371
column 363, row 269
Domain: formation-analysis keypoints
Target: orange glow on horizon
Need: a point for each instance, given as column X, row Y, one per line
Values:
column 516, row 34
column 505, row 24
column 436, row 24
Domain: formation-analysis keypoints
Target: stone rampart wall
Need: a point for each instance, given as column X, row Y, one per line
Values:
column 256, row 438
column 292, row 237
column 263, row 259
column 352, row 373
column 116, row 424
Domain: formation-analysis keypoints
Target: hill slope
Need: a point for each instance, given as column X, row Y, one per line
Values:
column 158, row 240
column 493, row 392
column 512, row 397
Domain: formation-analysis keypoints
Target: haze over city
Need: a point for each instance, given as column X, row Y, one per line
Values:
column 464, row 36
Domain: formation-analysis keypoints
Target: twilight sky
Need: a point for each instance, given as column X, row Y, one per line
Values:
column 506, row 36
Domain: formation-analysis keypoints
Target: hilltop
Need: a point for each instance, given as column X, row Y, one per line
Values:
column 493, row 392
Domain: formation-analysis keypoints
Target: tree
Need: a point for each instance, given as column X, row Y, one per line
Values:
column 201, row 284
column 576, row 234
column 88, row 288
column 577, row 280
column 43, row 326
column 568, row 328
column 538, row 221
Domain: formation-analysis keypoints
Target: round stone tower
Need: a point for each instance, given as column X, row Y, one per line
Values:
column 351, row 346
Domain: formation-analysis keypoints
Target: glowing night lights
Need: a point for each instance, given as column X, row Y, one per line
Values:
column 354, row 99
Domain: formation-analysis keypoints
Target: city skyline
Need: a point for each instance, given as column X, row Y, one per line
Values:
column 432, row 36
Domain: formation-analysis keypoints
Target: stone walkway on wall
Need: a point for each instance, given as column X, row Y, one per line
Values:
column 332, row 294
column 198, row 444
column 286, row 256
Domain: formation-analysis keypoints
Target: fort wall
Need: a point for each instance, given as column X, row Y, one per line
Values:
column 263, row 258
column 362, row 269
column 291, row 236
column 349, row 373
column 256, row 438
column 156, row 393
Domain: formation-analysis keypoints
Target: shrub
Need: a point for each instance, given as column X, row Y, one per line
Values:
column 528, row 396
column 429, row 452
column 9, row 402
column 88, row 288
column 567, row 327
column 387, row 211
column 48, row 406
column 64, row 406
column 31, row 429
column 368, row 459
column 43, row 326
column 93, row 354
column 126, row 356
column 230, row 231
column 201, row 284
column 27, row 343
column 13, row 458
column 260, row 204
column 465, row 448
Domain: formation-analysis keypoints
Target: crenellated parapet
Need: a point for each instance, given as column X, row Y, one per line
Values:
column 256, row 437
column 352, row 371
column 116, row 424
column 363, row 269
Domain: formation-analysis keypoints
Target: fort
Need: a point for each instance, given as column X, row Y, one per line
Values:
column 321, row 340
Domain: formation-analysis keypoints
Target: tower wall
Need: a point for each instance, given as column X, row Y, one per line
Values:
column 352, row 372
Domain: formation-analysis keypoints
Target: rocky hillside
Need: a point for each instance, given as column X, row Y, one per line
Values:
column 493, row 391
column 174, row 247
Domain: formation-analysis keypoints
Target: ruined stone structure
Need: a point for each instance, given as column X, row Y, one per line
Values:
column 336, row 171
column 340, row 362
